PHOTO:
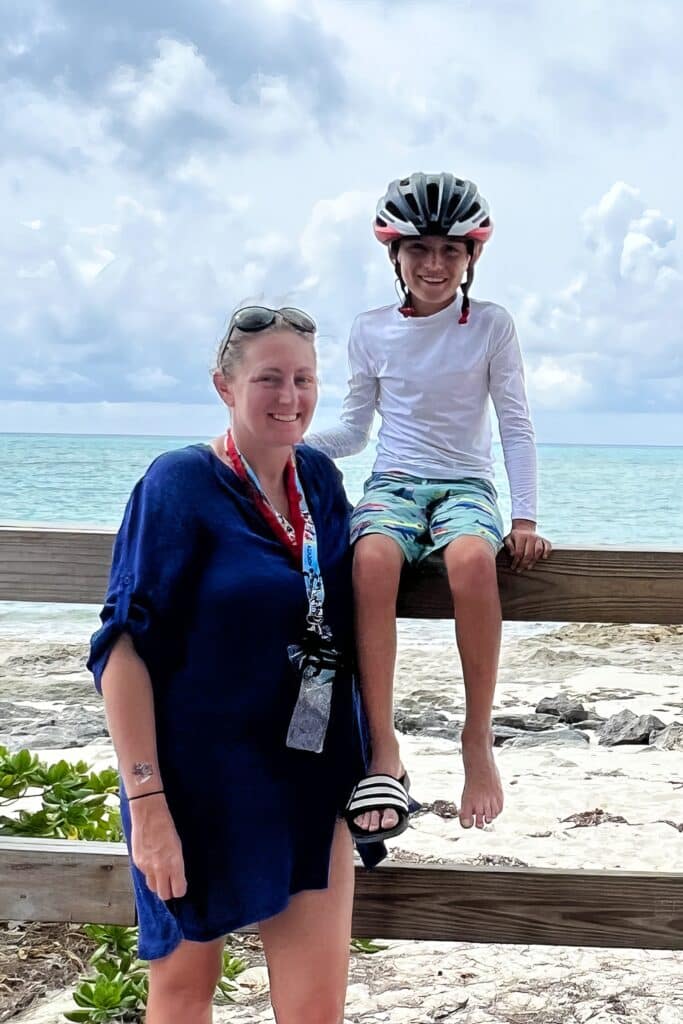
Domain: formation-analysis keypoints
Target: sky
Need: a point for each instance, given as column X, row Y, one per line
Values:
column 164, row 162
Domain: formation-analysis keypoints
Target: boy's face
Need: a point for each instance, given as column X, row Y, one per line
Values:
column 432, row 269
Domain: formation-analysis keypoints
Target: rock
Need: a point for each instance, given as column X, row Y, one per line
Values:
column 66, row 727
column 528, row 723
column 626, row 727
column 563, row 707
column 11, row 712
column 670, row 738
column 428, row 722
column 556, row 738
column 591, row 724
column 501, row 733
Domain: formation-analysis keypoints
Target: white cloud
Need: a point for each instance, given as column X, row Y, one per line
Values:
column 617, row 326
column 555, row 386
column 178, row 80
column 152, row 379
column 170, row 175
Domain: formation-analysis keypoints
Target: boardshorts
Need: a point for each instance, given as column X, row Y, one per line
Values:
column 423, row 515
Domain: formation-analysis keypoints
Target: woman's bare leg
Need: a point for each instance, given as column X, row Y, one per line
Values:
column 307, row 945
column 182, row 984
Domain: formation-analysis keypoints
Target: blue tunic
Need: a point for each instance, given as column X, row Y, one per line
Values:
column 211, row 600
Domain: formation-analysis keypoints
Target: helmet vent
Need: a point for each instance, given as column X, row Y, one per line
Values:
column 393, row 209
column 410, row 199
column 433, row 198
column 453, row 205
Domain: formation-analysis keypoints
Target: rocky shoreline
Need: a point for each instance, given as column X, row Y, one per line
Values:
column 588, row 723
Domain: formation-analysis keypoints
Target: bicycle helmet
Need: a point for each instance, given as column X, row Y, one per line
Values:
column 434, row 204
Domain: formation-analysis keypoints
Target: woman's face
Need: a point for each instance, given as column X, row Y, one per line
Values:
column 274, row 390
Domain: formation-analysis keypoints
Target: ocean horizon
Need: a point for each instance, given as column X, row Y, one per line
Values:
column 588, row 494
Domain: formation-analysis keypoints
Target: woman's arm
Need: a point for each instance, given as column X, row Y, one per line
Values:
column 129, row 705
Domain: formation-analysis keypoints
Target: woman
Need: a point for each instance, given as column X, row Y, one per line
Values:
column 226, row 673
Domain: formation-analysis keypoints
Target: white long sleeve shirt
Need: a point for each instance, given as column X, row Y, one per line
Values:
column 430, row 379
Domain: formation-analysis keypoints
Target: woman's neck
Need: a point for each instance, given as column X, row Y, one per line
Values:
column 268, row 463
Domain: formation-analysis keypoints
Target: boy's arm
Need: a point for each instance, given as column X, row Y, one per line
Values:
column 351, row 434
column 508, row 392
column 507, row 389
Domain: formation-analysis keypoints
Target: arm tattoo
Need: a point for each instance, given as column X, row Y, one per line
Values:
column 142, row 772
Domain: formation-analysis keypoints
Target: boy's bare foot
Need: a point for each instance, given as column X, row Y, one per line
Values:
column 386, row 760
column 482, row 796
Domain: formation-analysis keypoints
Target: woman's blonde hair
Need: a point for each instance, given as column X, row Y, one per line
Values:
column 230, row 350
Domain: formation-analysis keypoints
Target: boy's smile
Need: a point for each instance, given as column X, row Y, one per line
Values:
column 432, row 268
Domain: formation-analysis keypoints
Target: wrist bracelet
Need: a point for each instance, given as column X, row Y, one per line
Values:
column 141, row 796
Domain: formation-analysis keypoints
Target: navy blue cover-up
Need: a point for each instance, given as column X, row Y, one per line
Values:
column 211, row 600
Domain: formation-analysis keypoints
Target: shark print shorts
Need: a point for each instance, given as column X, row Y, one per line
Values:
column 423, row 515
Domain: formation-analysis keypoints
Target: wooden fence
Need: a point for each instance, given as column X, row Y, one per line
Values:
column 47, row 880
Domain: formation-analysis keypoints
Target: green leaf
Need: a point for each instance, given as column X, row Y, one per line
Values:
column 366, row 946
column 79, row 1016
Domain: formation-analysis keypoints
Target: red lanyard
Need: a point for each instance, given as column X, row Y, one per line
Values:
column 292, row 540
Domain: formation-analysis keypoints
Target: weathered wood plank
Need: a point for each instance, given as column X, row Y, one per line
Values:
column 521, row 905
column 57, row 880
column 49, row 880
column 574, row 585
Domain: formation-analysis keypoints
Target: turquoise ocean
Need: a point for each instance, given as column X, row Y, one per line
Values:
column 588, row 495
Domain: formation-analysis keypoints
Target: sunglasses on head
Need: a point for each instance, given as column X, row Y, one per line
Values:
column 259, row 318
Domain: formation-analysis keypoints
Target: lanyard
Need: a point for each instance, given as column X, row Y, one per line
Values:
column 298, row 535
column 288, row 532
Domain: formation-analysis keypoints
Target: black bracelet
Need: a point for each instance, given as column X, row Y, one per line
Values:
column 140, row 796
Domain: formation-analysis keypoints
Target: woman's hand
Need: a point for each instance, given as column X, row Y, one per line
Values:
column 155, row 847
column 525, row 545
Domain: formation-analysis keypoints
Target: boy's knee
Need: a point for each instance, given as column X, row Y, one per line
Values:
column 470, row 566
column 377, row 560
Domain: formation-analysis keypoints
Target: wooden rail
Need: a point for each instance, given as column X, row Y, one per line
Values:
column 47, row 880
column 574, row 585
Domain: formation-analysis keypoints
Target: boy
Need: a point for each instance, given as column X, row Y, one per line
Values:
column 428, row 366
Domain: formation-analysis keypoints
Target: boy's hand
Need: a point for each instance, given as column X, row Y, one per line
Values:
column 525, row 545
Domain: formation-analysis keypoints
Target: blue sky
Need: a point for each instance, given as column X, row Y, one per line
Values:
column 163, row 162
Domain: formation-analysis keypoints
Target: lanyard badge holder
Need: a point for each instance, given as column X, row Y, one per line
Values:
column 316, row 662
column 315, row 659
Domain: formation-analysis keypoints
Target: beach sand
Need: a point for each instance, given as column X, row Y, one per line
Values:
column 609, row 668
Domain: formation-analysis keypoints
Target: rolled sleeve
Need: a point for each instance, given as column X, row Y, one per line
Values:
column 153, row 553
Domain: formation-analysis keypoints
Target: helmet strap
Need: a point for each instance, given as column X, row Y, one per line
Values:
column 465, row 288
column 406, row 309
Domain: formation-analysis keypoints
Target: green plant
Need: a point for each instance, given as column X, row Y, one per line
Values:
column 74, row 799
column 112, row 940
column 232, row 967
column 118, row 992
column 366, row 946
column 75, row 806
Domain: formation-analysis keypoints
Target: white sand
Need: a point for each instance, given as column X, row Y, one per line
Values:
column 610, row 668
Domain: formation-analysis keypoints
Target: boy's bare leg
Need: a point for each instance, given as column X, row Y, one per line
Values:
column 377, row 563
column 471, row 566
